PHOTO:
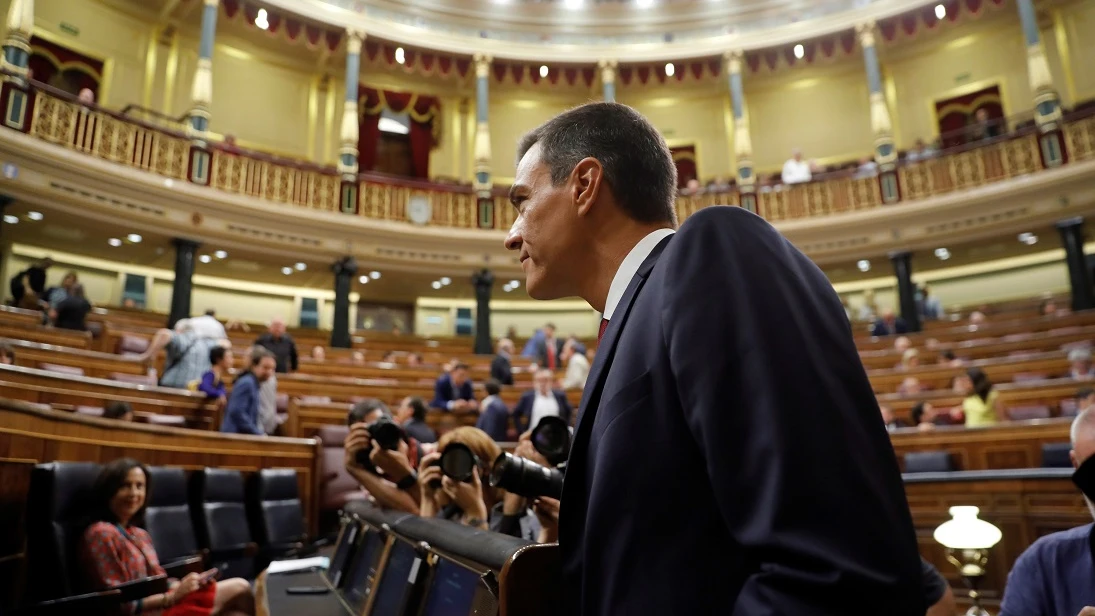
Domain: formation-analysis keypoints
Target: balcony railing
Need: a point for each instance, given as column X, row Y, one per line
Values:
column 61, row 119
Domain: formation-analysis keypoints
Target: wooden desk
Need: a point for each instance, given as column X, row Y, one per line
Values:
column 1049, row 392
column 93, row 363
column 1010, row 445
column 986, row 348
column 964, row 331
column 999, row 370
column 27, row 433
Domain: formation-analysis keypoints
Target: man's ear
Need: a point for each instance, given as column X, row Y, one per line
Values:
column 586, row 184
column 1072, row 457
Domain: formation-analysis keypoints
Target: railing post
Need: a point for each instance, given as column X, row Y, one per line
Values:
column 15, row 99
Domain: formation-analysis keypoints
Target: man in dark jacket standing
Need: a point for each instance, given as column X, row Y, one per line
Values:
column 281, row 345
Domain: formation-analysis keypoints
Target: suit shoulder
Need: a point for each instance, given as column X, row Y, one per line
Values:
column 725, row 218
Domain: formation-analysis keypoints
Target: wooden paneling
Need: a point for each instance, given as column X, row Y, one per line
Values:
column 1015, row 444
column 93, row 363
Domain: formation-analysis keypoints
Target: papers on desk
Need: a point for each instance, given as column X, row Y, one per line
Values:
column 300, row 564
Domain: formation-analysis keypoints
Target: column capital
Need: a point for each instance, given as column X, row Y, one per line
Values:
column 732, row 59
column 354, row 38
column 482, row 65
column 20, row 19
column 608, row 70
column 211, row 2
column 346, row 266
column 864, row 30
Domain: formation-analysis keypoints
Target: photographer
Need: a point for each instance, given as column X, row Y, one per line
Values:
column 381, row 457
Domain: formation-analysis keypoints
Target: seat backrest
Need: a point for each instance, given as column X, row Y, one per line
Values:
column 218, row 509
column 1069, row 407
column 929, row 462
column 131, row 345
column 74, row 371
column 274, row 504
column 336, row 485
column 57, row 509
column 160, row 419
column 1055, row 455
column 136, row 379
column 167, row 516
column 1021, row 413
column 92, row 411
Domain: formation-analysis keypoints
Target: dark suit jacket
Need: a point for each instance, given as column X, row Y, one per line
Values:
column 522, row 413
column 444, row 392
column 880, row 328
column 730, row 457
column 494, row 420
column 501, row 369
column 542, row 354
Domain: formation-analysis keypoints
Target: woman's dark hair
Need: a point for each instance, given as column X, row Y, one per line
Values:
column 918, row 413
column 117, row 410
column 947, row 354
column 110, row 480
column 493, row 387
column 982, row 386
column 364, row 408
column 419, row 406
column 216, row 354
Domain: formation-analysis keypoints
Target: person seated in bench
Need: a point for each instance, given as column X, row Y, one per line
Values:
column 212, row 383
column 241, row 415
column 71, row 312
column 454, row 391
column 388, row 475
column 926, row 417
column 541, row 401
column 119, row 410
column 411, row 414
column 1081, row 368
column 7, row 354
column 114, row 549
column 494, row 416
column 981, row 403
column 1053, row 577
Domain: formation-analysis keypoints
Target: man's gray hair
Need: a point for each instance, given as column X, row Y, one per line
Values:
column 1084, row 421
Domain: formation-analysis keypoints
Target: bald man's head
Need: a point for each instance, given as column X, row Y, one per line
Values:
column 1083, row 437
column 277, row 327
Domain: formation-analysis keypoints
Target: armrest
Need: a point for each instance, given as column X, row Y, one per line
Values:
column 179, row 568
column 90, row 603
column 144, row 587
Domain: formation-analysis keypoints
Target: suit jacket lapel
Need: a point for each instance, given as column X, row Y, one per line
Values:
column 591, row 395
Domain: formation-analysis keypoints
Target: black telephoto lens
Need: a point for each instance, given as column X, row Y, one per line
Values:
column 386, row 433
column 458, row 462
column 525, row 477
column 551, row 437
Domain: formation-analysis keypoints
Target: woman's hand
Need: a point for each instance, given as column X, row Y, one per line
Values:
column 428, row 475
column 187, row 585
column 468, row 496
column 547, row 511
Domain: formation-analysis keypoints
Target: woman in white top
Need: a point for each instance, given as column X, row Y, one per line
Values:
column 577, row 365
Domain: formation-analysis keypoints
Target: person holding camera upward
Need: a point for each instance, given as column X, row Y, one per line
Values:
column 381, row 457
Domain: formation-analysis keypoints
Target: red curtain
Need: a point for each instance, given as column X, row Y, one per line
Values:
column 48, row 60
column 424, row 113
column 684, row 157
column 955, row 114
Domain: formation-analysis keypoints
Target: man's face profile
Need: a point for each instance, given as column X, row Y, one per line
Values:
column 544, row 231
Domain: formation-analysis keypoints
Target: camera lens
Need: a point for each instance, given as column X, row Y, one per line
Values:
column 458, row 462
column 525, row 477
column 551, row 438
column 386, row 433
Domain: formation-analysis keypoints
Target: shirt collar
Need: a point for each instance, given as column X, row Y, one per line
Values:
column 630, row 265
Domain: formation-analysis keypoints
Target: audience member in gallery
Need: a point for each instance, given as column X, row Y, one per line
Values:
column 1081, row 368
column 1053, row 576
column 212, row 382
column 494, row 415
column 72, row 312
column 889, row 324
column 241, row 414
column 796, row 170
column 501, row 366
column 411, row 414
column 119, row 410
column 115, row 549
column 890, row 419
column 454, row 391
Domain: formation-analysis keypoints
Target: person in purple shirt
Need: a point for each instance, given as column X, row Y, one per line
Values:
column 212, row 383
column 1055, row 576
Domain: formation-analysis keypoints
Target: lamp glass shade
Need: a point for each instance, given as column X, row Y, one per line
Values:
column 965, row 531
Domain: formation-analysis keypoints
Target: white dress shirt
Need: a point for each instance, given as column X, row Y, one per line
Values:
column 543, row 406
column 796, row 171
column 577, row 372
column 630, row 265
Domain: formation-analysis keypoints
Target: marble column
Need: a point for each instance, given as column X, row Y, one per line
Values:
column 483, row 281
column 608, row 79
column 906, row 290
column 349, row 131
column 885, row 154
column 344, row 271
column 14, row 99
column 743, row 144
column 483, row 184
column 183, row 283
column 201, row 98
column 1047, row 104
column 1079, row 276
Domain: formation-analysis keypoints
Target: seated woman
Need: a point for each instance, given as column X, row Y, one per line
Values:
column 980, row 404
column 115, row 550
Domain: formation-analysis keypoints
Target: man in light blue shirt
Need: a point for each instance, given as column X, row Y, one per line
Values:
column 1056, row 575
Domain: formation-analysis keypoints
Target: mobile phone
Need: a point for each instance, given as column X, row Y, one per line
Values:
column 208, row 576
column 307, row 590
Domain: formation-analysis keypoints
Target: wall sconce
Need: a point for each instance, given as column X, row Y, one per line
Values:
column 968, row 540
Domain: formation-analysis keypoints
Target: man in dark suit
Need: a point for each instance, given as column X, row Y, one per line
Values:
column 540, row 401
column 501, row 367
column 454, row 391
column 549, row 349
column 729, row 456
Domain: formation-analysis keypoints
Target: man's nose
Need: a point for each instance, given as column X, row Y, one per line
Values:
column 514, row 239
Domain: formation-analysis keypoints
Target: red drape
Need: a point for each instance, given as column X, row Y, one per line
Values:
column 424, row 112
column 955, row 114
column 684, row 157
column 48, row 60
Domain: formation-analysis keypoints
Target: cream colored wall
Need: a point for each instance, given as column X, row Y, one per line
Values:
column 822, row 111
column 515, row 112
column 690, row 118
column 1078, row 21
column 437, row 316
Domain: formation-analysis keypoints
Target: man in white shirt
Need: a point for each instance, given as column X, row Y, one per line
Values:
column 796, row 170
column 577, row 364
column 541, row 402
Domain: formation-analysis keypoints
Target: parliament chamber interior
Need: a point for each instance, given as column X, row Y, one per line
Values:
column 263, row 349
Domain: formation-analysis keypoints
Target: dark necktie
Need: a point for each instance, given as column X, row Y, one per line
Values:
column 601, row 332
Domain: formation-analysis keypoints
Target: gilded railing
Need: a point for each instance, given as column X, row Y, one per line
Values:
column 271, row 180
column 106, row 136
column 1080, row 138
